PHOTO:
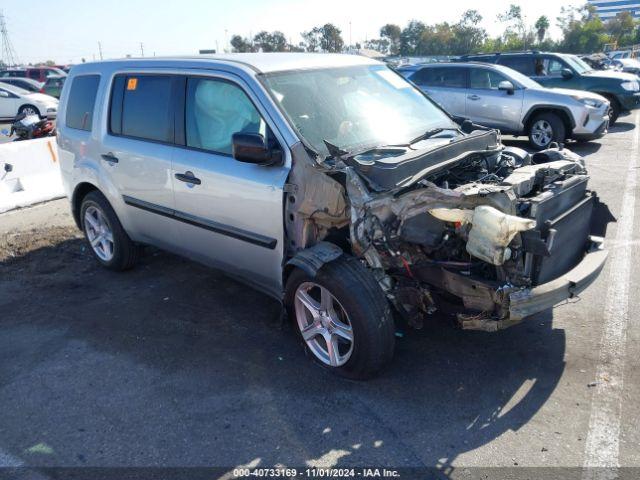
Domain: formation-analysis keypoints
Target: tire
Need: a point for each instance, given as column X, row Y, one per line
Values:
column 29, row 110
column 545, row 128
column 357, row 302
column 615, row 110
column 114, row 250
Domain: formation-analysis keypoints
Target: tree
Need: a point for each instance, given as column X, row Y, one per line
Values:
column 411, row 36
column 468, row 36
column 331, row 38
column 541, row 26
column 270, row 41
column 240, row 44
column 391, row 33
column 327, row 38
column 621, row 28
column 312, row 39
column 582, row 30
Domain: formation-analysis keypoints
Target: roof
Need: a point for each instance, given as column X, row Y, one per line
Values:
column 261, row 62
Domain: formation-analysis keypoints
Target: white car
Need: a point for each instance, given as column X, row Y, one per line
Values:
column 15, row 100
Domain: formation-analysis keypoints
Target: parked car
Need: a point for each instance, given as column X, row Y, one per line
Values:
column 24, row 83
column 39, row 74
column 499, row 97
column 13, row 73
column 328, row 182
column 53, row 85
column 568, row 71
column 15, row 100
column 629, row 65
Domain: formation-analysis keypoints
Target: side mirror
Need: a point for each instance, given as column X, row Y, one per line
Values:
column 506, row 86
column 252, row 148
column 4, row 94
column 567, row 73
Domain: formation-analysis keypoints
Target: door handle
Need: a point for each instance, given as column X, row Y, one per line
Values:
column 109, row 157
column 188, row 177
column 473, row 97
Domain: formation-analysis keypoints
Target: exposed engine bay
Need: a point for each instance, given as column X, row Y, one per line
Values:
column 466, row 217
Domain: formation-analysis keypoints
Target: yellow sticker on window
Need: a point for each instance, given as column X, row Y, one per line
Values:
column 132, row 83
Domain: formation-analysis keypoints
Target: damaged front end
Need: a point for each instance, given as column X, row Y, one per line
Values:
column 506, row 233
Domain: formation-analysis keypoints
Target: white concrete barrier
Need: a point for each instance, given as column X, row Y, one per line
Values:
column 29, row 173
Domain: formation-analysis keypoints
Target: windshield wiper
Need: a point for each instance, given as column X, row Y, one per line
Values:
column 430, row 133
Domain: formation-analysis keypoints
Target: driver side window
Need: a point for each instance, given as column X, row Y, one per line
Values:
column 215, row 110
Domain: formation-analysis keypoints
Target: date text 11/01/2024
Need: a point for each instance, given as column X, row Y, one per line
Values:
column 316, row 473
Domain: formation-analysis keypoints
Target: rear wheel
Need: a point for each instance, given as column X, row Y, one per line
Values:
column 544, row 129
column 108, row 241
column 343, row 318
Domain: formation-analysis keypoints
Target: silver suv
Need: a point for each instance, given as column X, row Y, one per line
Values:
column 330, row 183
column 500, row 97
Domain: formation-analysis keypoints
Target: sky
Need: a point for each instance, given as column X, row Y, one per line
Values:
column 70, row 30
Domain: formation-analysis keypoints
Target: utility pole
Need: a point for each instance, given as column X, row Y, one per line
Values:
column 350, row 43
column 141, row 49
column 9, row 56
column 100, row 49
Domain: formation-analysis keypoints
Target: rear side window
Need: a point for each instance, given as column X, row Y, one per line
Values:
column 484, row 79
column 524, row 65
column 82, row 101
column 141, row 107
column 440, row 77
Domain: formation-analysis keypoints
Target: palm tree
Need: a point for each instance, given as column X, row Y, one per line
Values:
column 541, row 25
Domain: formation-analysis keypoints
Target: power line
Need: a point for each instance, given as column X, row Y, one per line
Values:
column 9, row 56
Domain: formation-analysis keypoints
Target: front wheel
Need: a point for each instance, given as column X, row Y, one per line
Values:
column 544, row 129
column 343, row 318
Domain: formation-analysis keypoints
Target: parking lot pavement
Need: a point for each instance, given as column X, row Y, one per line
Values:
column 172, row 364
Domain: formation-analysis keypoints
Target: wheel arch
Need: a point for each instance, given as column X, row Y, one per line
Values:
column 81, row 190
column 563, row 112
column 311, row 259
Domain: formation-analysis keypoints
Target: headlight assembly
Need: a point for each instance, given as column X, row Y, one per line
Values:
column 631, row 86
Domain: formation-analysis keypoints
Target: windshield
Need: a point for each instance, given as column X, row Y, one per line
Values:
column 577, row 64
column 354, row 107
column 14, row 89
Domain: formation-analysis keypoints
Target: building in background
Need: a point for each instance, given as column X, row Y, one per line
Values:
column 610, row 8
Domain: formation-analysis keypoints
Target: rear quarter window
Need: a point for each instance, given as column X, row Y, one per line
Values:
column 81, row 102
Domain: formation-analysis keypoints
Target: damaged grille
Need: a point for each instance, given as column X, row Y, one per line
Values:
column 563, row 215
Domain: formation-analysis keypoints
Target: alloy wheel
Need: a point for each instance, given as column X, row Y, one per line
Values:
column 324, row 324
column 99, row 233
column 542, row 133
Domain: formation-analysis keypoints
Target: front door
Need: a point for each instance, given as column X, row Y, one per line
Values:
column 230, row 214
column 489, row 106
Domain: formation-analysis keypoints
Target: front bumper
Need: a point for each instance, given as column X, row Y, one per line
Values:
column 526, row 302
column 629, row 101
column 599, row 132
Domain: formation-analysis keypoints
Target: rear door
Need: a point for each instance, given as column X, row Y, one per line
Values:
column 489, row 106
column 445, row 85
column 231, row 214
column 137, row 151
